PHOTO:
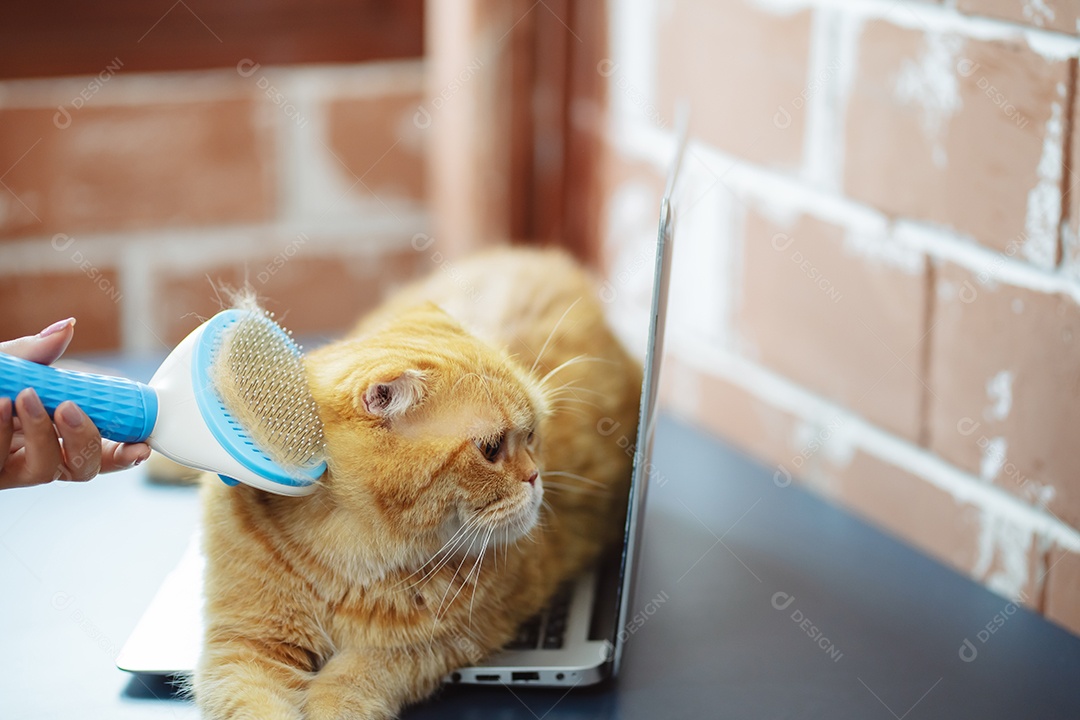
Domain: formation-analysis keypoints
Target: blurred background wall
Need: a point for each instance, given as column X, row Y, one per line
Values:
column 875, row 287
column 150, row 152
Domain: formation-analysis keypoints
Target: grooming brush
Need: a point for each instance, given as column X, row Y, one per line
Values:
column 232, row 398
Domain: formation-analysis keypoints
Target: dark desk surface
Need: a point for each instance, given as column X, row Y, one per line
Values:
column 868, row 628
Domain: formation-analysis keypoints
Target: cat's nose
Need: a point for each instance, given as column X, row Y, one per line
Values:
column 532, row 478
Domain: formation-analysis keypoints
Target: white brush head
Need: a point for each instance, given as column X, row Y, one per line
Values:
column 259, row 375
column 233, row 399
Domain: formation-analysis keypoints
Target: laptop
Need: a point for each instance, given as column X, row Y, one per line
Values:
column 577, row 640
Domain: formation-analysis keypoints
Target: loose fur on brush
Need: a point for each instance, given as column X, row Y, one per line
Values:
column 467, row 479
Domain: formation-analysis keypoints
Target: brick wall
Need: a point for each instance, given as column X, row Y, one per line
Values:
column 876, row 277
column 126, row 197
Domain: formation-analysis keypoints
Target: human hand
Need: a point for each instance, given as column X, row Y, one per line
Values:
column 35, row 449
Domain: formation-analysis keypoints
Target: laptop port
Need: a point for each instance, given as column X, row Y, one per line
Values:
column 487, row 678
column 515, row 676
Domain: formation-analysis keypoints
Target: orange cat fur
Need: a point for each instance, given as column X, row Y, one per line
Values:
column 430, row 539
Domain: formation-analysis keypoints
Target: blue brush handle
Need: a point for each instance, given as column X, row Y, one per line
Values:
column 122, row 409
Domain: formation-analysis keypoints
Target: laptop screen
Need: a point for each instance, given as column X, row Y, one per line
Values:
column 654, row 352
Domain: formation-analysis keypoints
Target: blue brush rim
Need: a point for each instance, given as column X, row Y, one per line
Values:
column 226, row 429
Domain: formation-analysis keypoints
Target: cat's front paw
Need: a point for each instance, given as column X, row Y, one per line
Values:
column 341, row 704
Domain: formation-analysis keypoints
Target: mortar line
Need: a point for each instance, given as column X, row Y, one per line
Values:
column 780, row 392
column 759, row 184
column 929, row 309
column 1066, row 162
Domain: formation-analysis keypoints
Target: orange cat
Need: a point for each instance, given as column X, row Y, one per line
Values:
column 466, row 481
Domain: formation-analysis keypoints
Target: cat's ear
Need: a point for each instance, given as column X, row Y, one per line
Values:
column 391, row 399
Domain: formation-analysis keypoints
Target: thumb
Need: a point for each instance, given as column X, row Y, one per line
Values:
column 46, row 346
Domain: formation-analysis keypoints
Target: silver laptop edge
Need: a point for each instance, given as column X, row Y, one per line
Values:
column 603, row 658
column 650, row 382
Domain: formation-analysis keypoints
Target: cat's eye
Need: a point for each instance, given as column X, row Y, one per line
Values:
column 491, row 448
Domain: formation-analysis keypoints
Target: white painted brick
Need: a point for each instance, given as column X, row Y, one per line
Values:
column 777, row 390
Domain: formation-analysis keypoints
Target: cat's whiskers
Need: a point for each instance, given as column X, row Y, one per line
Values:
column 459, row 538
column 570, row 363
column 577, row 412
column 575, row 476
column 465, row 580
column 476, row 580
column 528, row 535
column 464, row 546
column 456, row 536
column 436, row 554
column 573, row 409
column 576, row 489
column 559, row 398
column 572, row 387
column 542, row 520
column 568, row 397
column 551, row 334
column 450, row 583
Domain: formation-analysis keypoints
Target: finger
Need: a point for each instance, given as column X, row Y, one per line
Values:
column 7, row 426
column 7, row 432
column 43, row 461
column 82, row 442
column 13, row 474
column 46, row 346
column 121, row 456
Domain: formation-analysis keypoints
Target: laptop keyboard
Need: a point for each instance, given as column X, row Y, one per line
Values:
column 547, row 629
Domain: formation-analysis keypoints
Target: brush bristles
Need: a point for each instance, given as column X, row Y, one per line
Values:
column 259, row 375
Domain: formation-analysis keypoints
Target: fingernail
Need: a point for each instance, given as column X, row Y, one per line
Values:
column 72, row 414
column 56, row 327
column 140, row 460
column 33, row 405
